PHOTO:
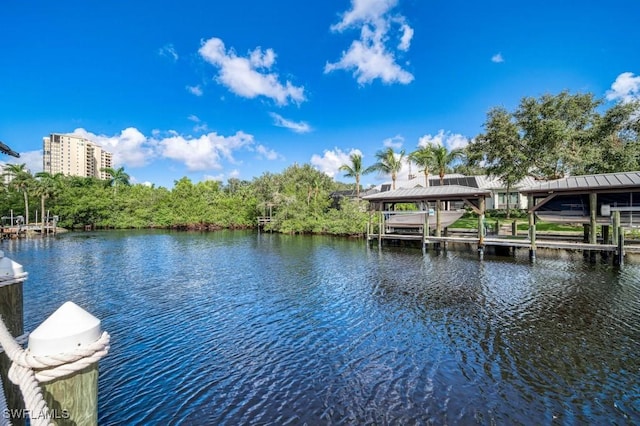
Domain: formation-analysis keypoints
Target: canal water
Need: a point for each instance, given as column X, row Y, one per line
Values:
column 240, row 328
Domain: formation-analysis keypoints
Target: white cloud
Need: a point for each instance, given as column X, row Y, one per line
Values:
column 234, row 173
column 371, row 57
column 31, row 159
column 217, row 178
column 195, row 90
column 626, row 88
column 130, row 147
column 267, row 153
column 200, row 126
column 331, row 160
column 299, row 127
column 169, row 51
column 394, row 142
column 405, row 40
column 201, row 153
column 442, row 138
column 205, row 152
column 363, row 11
column 248, row 76
column 497, row 58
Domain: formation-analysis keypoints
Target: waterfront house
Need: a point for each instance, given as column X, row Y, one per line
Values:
column 497, row 198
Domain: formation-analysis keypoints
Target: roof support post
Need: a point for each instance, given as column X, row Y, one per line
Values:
column 532, row 228
column 616, row 226
column 424, row 206
column 481, row 209
column 438, row 219
column 593, row 211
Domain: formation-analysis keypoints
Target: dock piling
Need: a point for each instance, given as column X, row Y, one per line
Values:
column 532, row 238
column 73, row 398
column 12, row 277
column 619, row 256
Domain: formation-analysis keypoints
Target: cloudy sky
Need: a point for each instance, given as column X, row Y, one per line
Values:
column 214, row 89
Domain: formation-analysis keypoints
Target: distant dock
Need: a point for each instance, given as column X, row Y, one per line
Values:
column 21, row 231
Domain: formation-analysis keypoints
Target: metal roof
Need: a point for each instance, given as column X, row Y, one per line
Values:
column 449, row 192
column 624, row 180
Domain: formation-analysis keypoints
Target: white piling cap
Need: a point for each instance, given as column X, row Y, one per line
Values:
column 66, row 329
column 9, row 268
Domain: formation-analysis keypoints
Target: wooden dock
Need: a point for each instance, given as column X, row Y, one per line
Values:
column 12, row 232
column 526, row 243
column 263, row 220
column 604, row 213
column 505, row 241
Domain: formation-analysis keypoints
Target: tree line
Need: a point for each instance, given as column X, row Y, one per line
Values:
column 298, row 199
column 547, row 137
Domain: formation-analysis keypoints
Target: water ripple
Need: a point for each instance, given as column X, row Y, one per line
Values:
column 238, row 328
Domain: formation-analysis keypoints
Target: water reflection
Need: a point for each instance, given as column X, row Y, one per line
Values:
column 234, row 327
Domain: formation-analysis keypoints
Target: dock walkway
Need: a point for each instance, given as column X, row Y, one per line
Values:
column 507, row 241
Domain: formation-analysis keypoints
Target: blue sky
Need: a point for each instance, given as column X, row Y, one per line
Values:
column 213, row 89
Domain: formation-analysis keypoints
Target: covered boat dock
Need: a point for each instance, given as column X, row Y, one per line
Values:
column 611, row 201
column 410, row 214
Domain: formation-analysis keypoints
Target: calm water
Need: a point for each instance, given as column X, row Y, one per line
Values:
column 240, row 328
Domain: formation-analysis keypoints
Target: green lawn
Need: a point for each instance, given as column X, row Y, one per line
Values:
column 523, row 225
column 471, row 223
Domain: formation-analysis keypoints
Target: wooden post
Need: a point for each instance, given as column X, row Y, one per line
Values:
column 605, row 240
column 72, row 399
column 428, row 220
column 366, row 230
column 616, row 226
column 593, row 224
column 514, row 228
column 438, row 223
column 438, row 219
column 620, row 252
column 11, row 310
column 422, row 228
column 532, row 229
column 593, row 211
column 481, row 208
column 380, row 225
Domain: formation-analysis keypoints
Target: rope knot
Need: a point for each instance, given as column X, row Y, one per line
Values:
column 28, row 370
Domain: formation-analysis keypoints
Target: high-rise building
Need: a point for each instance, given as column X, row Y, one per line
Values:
column 74, row 155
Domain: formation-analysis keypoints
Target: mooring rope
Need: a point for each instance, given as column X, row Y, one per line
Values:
column 9, row 280
column 28, row 370
column 4, row 419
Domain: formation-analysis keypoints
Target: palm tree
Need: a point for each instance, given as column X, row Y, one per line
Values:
column 20, row 180
column 354, row 170
column 47, row 186
column 424, row 158
column 443, row 158
column 388, row 163
column 118, row 177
